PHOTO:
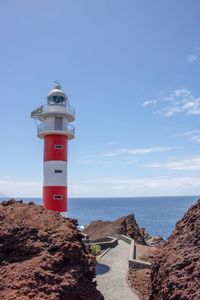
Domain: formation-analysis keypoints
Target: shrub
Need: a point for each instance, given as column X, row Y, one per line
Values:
column 95, row 249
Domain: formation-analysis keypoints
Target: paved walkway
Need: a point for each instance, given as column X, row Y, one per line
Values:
column 112, row 272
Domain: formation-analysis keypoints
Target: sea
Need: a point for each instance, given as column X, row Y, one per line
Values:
column 158, row 215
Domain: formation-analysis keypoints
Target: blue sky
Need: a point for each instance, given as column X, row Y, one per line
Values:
column 130, row 68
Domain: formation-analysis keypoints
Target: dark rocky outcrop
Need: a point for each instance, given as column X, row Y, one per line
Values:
column 175, row 272
column 124, row 225
column 155, row 241
column 42, row 256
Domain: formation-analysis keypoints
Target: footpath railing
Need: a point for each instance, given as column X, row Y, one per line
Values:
column 107, row 242
column 134, row 263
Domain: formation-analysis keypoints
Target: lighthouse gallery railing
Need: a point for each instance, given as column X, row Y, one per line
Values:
column 51, row 126
column 47, row 108
column 70, row 110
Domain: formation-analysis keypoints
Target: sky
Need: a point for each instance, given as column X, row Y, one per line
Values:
column 131, row 70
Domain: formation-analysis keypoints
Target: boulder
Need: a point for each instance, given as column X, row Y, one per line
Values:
column 175, row 273
column 42, row 256
column 155, row 241
column 125, row 225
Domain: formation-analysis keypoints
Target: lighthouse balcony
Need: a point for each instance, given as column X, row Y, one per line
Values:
column 53, row 128
column 54, row 109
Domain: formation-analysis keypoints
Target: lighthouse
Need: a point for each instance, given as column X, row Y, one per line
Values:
column 53, row 126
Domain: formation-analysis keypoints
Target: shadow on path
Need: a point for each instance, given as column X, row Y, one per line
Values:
column 101, row 269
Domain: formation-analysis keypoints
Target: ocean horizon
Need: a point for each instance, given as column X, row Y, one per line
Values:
column 158, row 215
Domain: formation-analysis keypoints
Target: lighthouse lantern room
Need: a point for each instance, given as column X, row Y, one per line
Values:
column 53, row 126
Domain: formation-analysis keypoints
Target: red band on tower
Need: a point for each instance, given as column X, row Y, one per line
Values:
column 55, row 198
column 55, row 147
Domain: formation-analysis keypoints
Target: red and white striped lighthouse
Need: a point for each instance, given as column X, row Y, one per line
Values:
column 54, row 128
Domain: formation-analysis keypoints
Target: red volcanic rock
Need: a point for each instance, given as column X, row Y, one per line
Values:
column 175, row 272
column 139, row 279
column 42, row 256
column 124, row 225
column 139, row 282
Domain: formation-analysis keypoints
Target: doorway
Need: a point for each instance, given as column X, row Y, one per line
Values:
column 58, row 123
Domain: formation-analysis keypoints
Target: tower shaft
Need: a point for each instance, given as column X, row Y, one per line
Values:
column 55, row 172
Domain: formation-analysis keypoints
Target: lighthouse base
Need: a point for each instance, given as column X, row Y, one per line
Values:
column 55, row 198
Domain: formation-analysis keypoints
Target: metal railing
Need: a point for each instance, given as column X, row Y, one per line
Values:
column 50, row 126
column 47, row 108
column 69, row 109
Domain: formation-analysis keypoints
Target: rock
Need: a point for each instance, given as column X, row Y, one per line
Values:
column 139, row 281
column 175, row 271
column 155, row 241
column 125, row 225
column 31, row 203
column 5, row 203
column 42, row 256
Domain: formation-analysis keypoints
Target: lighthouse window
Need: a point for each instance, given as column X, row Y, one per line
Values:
column 57, row 197
column 58, row 171
column 58, row 146
column 58, row 99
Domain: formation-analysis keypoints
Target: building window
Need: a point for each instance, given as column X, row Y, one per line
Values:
column 58, row 146
column 57, row 197
column 58, row 171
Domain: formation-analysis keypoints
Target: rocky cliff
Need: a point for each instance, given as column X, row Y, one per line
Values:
column 124, row 225
column 42, row 256
column 175, row 272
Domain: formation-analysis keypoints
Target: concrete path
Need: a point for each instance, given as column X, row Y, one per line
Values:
column 112, row 272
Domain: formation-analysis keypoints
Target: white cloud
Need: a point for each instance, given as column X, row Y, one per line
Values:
column 20, row 187
column 189, row 164
column 181, row 93
column 108, row 186
column 196, row 138
column 92, row 161
column 149, row 102
column 135, row 151
column 178, row 101
column 136, row 186
column 193, row 135
column 126, row 154
column 191, row 58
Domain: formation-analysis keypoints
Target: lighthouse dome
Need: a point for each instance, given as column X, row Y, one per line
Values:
column 57, row 96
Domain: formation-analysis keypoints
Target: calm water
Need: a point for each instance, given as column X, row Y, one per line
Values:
column 157, row 214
